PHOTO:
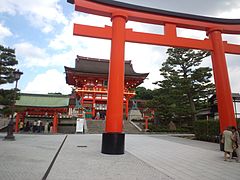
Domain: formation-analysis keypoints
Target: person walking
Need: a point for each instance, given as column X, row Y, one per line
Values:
column 46, row 127
column 34, row 126
column 228, row 143
column 21, row 124
column 236, row 142
column 39, row 126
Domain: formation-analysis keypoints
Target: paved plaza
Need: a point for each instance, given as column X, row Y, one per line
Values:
column 146, row 157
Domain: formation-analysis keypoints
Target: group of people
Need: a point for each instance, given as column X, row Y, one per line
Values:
column 100, row 115
column 231, row 142
column 36, row 126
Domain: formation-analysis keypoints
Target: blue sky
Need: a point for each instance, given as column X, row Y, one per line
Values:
column 41, row 33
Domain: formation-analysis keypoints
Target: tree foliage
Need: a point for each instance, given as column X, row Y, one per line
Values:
column 143, row 93
column 7, row 62
column 185, row 88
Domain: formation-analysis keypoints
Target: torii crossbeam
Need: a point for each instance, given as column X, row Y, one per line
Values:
column 120, row 13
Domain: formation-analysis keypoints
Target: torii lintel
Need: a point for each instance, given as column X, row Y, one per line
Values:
column 170, row 20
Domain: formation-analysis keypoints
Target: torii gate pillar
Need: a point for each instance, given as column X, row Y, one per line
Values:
column 113, row 138
column 223, row 90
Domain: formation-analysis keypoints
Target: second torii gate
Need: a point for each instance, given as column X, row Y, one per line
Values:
column 120, row 13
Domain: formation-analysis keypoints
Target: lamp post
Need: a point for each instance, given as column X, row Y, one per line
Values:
column 10, row 137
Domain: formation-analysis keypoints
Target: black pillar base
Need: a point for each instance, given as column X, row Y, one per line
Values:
column 113, row 143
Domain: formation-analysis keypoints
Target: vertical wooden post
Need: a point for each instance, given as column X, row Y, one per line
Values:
column 223, row 90
column 93, row 105
column 55, row 122
column 113, row 138
column 146, row 122
column 16, row 123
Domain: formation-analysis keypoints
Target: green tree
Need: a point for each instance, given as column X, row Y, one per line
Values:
column 7, row 62
column 143, row 93
column 186, row 87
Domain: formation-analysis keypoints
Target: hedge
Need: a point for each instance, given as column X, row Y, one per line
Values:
column 207, row 130
column 159, row 128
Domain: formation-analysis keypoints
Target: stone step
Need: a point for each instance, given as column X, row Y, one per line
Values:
column 70, row 129
column 98, row 127
column 95, row 126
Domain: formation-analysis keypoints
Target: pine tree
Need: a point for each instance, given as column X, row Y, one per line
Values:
column 186, row 86
column 7, row 62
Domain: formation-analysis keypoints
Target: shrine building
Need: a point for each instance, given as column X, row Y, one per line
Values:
column 90, row 80
column 50, row 108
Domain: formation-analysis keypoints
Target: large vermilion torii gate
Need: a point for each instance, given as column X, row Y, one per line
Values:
column 120, row 13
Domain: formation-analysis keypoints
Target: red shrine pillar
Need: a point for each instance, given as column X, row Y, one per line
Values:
column 81, row 102
column 146, row 122
column 93, row 105
column 223, row 90
column 113, row 138
column 126, row 108
column 55, row 123
column 17, row 122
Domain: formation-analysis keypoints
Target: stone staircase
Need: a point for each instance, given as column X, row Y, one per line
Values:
column 98, row 126
column 129, row 128
column 67, row 129
column 95, row 126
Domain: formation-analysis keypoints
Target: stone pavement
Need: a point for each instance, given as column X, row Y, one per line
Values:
column 146, row 157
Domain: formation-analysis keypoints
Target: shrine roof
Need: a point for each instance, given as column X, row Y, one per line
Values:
column 43, row 100
column 88, row 65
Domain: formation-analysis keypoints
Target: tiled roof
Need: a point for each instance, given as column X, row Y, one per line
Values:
column 100, row 66
column 43, row 100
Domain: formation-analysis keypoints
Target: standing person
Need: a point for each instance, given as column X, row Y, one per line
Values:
column 27, row 126
column 236, row 141
column 98, row 116
column 228, row 143
column 34, row 126
column 49, row 125
column 21, row 124
column 39, row 126
column 46, row 127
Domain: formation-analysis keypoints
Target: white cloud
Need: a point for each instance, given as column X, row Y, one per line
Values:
column 49, row 82
column 146, row 59
column 4, row 32
column 190, row 33
column 30, row 55
column 233, row 64
column 41, row 14
column 230, row 13
column 65, row 38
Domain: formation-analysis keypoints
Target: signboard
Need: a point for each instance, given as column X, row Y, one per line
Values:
column 79, row 125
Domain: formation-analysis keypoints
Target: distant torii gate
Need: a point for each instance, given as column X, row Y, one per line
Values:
column 120, row 13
